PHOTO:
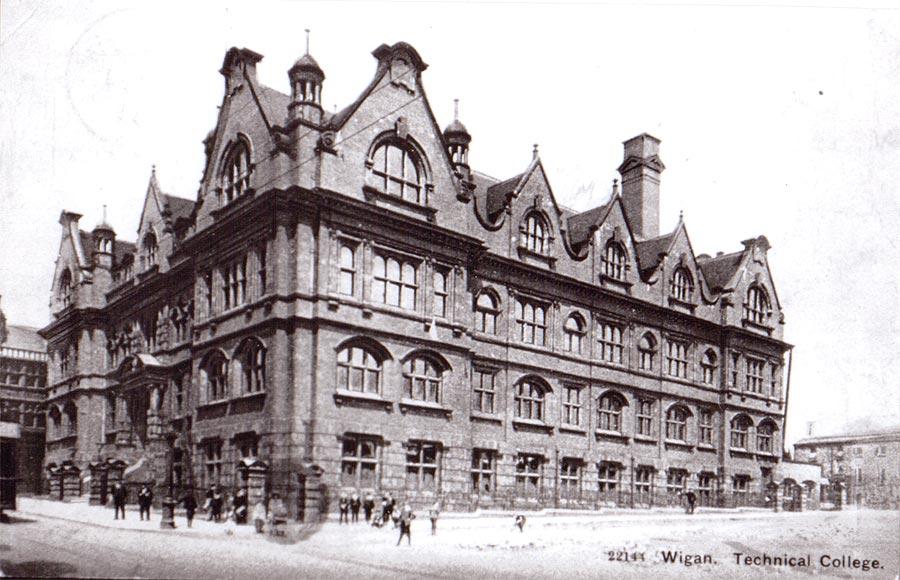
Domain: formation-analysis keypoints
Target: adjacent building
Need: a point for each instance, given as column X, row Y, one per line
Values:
column 348, row 305
column 862, row 468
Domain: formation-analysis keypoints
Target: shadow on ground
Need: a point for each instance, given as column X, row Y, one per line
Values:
column 37, row 569
column 293, row 533
column 8, row 519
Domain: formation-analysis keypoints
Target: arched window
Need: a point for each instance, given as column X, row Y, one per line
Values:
column 235, row 179
column 398, row 172
column 535, row 234
column 676, row 423
column 359, row 370
column 422, row 379
column 530, row 400
column 66, row 288
column 251, row 360
column 757, row 308
column 709, row 363
column 150, row 248
column 574, row 333
column 682, row 285
column 765, row 434
column 614, row 260
column 610, row 412
column 740, row 429
column 214, row 374
column 647, row 351
column 487, row 308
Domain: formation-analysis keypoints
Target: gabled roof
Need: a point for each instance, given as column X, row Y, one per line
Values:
column 274, row 104
column 124, row 250
column 649, row 251
column 582, row 225
column 24, row 338
column 498, row 193
column 178, row 207
column 720, row 270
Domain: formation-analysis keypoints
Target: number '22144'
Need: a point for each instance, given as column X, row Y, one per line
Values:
column 624, row 556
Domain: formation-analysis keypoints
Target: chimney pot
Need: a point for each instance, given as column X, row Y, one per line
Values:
column 640, row 172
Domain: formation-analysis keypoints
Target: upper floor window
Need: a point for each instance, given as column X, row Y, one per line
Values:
column 395, row 282
column 397, row 172
column 347, row 278
column 236, row 171
column 740, row 429
column 681, row 286
column 535, row 234
column 422, row 380
column 757, row 308
column 439, row 304
column 647, row 352
column 483, row 390
column 610, row 413
column 645, row 418
column 151, row 250
column 214, row 374
column 486, row 311
column 677, row 358
column 358, row 370
column 531, row 320
column 66, row 288
column 234, row 283
column 612, row 342
column 574, row 333
column 676, row 423
column 571, row 406
column 262, row 276
column 709, row 363
column 764, row 435
column 755, row 370
column 530, row 400
column 705, row 427
column 252, row 361
column 614, row 259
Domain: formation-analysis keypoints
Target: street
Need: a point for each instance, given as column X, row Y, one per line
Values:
column 581, row 546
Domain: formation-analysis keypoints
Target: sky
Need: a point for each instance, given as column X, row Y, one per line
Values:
column 774, row 119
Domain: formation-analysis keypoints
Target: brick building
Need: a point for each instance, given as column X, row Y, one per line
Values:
column 23, row 380
column 347, row 304
column 862, row 468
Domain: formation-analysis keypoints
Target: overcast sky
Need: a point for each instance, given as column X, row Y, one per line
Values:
column 780, row 121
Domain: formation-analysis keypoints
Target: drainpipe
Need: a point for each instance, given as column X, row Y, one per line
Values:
column 787, row 392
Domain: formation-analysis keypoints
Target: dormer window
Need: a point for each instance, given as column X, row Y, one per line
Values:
column 535, row 234
column 151, row 250
column 66, row 288
column 614, row 261
column 236, row 171
column 397, row 172
column 682, row 285
column 757, row 309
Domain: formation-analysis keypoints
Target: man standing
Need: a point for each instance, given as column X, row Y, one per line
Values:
column 354, row 507
column 433, row 516
column 145, row 500
column 405, row 522
column 119, row 499
column 369, row 506
column 344, row 507
column 691, row 501
column 190, row 506
column 241, row 504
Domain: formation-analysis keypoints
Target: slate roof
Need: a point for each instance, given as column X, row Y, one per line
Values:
column 852, row 437
column 178, row 207
column 24, row 338
column 580, row 225
column 648, row 251
column 497, row 193
column 718, row 271
column 274, row 104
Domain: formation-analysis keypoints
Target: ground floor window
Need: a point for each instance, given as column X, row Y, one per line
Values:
column 483, row 467
column 643, row 485
column 212, row 460
column 705, row 488
column 359, row 461
column 675, row 480
column 528, row 474
column 247, row 445
column 178, row 467
column 609, row 476
column 422, row 465
column 570, row 478
column 740, row 488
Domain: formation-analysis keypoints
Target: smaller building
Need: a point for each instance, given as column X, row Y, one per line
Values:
column 862, row 468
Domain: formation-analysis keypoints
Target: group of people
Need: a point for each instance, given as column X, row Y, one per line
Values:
column 349, row 506
column 120, row 496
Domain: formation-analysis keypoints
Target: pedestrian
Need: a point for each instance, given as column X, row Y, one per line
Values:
column 433, row 516
column 691, row 501
column 405, row 520
column 208, row 504
column 119, row 499
column 259, row 516
column 354, row 507
column 190, row 506
column 344, row 507
column 385, row 510
column 145, row 500
column 392, row 503
column 241, row 503
column 216, row 503
column 368, row 506
column 520, row 522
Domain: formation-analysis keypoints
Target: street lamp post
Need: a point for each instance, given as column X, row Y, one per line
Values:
column 168, row 511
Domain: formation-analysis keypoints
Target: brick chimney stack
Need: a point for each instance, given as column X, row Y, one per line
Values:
column 640, row 184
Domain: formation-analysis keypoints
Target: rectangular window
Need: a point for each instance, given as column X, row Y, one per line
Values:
column 483, row 468
column 755, row 370
column 735, row 361
column 234, row 283
column 212, row 461
column 208, row 292
column 571, row 407
column 247, row 445
column 528, row 474
column 347, row 277
column 705, row 428
column 395, row 282
column 645, row 418
column 643, row 485
column 773, row 382
column 441, row 280
column 611, row 342
column 262, row 277
column 609, row 476
column 677, row 358
column 570, row 478
column 422, row 465
column 359, row 461
column 740, row 487
column 483, row 390
column 531, row 322
column 675, row 480
column 705, row 488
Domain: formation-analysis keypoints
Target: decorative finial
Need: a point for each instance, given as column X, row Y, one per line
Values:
column 681, row 215
column 455, row 109
column 104, row 213
column 153, row 170
column 615, row 190
column 534, row 153
column 307, row 40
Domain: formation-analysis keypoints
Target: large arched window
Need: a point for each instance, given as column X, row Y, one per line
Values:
column 530, row 394
column 487, row 308
column 251, row 365
column 740, row 430
column 422, row 379
column 757, row 309
column 681, row 286
column 765, row 434
column 536, row 234
column 609, row 414
column 359, row 370
column 676, row 423
column 151, row 249
column 214, row 376
column 235, row 179
column 574, row 330
column 614, row 260
column 398, row 172
column 66, row 288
